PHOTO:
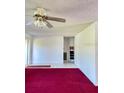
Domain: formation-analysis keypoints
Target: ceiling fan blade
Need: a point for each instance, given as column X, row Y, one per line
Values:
column 55, row 19
column 48, row 24
column 29, row 23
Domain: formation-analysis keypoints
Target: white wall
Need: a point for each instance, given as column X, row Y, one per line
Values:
column 71, row 41
column 86, row 53
column 47, row 50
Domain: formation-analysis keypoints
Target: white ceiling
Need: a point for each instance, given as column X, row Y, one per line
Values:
column 78, row 14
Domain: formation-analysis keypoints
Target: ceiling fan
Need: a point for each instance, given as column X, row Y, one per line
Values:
column 41, row 18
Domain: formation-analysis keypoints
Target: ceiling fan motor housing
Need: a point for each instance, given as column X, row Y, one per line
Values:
column 40, row 12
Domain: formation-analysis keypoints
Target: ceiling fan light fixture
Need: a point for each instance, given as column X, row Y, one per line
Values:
column 39, row 22
column 38, row 19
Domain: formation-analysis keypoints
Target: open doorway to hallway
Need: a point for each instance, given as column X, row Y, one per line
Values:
column 68, row 50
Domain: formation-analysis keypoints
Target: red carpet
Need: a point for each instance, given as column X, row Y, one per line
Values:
column 57, row 80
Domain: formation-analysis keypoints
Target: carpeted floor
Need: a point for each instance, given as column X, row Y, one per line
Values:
column 57, row 80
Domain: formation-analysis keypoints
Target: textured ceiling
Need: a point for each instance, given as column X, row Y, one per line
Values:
column 78, row 14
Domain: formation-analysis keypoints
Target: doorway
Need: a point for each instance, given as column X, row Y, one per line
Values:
column 68, row 50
